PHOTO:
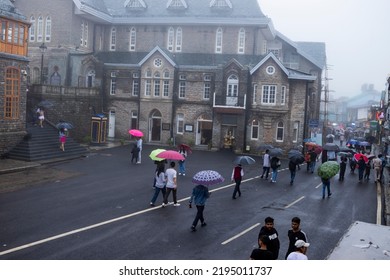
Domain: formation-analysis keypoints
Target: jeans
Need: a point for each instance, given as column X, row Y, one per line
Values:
column 168, row 191
column 325, row 186
column 199, row 215
column 156, row 192
column 312, row 166
column 292, row 172
column 182, row 167
column 265, row 171
column 274, row 174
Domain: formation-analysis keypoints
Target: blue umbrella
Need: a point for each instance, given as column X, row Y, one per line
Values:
column 66, row 125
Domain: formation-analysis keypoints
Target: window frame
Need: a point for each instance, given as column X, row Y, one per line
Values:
column 279, row 131
column 113, row 39
column 283, row 95
column 180, row 123
column 241, row 41
column 12, row 85
column 218, row 40
column 132, row 39
column 255, row 128
column 268, row 95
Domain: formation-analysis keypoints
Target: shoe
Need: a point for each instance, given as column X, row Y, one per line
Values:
column 163, row 205
column 151, row 204
column 203, row 224
column 176, row 204
column 239, row 194
column 193, row 229
column 329, row 194
column 323, row 197
column 184, row 174
column 179, row 173
column 233, row 197
column 261, row 177
column 169, row 203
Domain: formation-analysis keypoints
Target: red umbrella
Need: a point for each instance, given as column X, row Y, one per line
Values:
column 170, row 154
column 186, row 147
column 136, row 133
column 358, row 156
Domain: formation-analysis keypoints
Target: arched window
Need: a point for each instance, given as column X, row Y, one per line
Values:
column 255, row 130
column 48, row 29
column 132, row 39
column 90, row 78
column 280, row 132
column 241, row 40
column 113, row 39
column 32, row 29
column 232, row 86
column 218, row 41
column 157, row 84
column 40, row 29
column 171, row 35
column 179, row 39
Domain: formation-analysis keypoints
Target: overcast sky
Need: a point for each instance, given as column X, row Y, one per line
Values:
column 356, row 34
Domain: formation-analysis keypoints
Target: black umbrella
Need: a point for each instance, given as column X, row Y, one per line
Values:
column 275, row 152
column 296, row 156
column 331, row 147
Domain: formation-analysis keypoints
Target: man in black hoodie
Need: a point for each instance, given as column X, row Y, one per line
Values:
column 269, row 230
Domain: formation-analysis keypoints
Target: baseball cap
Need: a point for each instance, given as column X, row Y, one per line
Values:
column 301, row 243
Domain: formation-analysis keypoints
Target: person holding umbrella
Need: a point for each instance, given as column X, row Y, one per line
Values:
column 139, row 146
column 182, row 163
column 62, row 136
column 292, row 166
column 275, row 164
column 171, row 185
column 200, row 194
column 237, row 175
column 159, row 184
column 361, row 167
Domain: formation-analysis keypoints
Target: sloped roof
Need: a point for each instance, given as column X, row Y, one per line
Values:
column 7, row 9
column 245, row 12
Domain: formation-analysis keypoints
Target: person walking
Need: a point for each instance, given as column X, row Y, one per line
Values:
column 377, row 165
column 294, row 234
column 292, row 166
column 237, row 175
column 262, row 253
column 199, row 196
column 134, row 153
column 325, row 185
column 307, row 160
column 361, row 167
column 171, row 185
column 313, row 160
column 300, row 251
column 159, row 184
column 275, row 164
column 367, row 170
column 266, row 165
column 182, row 163
column 139, row 146
column 273, row 236
column 62, row 138
column 41, row 117
column 343, row 167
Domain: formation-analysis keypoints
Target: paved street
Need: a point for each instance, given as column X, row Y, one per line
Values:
column 104, row 212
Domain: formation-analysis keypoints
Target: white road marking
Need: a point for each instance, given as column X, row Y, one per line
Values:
column 294, row 202
column 240, row 234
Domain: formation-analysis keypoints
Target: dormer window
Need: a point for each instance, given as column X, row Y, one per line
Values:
column 135, row 4
column 221, row 4
column 177, row 4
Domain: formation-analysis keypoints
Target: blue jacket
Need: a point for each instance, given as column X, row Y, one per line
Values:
column 199, row 195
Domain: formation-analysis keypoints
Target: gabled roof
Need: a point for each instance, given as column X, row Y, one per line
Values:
column 312, row 51
column 166, row 54
column 177, row 4
column 221, row 4
column 291, row 74
column 135, row 4
column 7, row 9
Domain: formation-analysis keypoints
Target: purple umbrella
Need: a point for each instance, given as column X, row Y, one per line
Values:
column 207, row 178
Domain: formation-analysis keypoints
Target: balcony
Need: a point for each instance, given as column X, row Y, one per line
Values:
column 229, row 104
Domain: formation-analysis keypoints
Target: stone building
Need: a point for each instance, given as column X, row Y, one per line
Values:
column 212, row 73
column 13, row 75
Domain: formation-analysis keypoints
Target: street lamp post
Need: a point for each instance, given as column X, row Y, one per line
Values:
column 43, row 49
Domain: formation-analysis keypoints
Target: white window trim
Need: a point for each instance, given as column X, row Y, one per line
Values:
column 295, row 131
column 255, row 123
column 283, row 95
column 218, row 40
column 171, row 39
column 113, row 39
column 254, row 95
column 180, row 124
column 179, row 39
column 32, row 29
column 133, row 39
column 277, row 128
column 269, row 95
column 241, row 41
column 40, row 29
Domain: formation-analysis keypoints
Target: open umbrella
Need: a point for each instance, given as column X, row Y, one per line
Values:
column 331, row 147
column 330, row 136
column 357, row 156
column 364, row 143
column 296, row 156
column 207, row 178
column 66, row 125
column 244, row 160
column 45, row 104
column 328, row 169
column 186, row 147
column 371, row 157
column 170, row 154
column 153, row 154
column 136, row 133
column 275, row 152
column 264, row 147
column 347, row 150
column 346, row 154
column 352, row 142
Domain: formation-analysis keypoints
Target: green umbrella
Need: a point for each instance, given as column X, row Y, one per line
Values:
column 156, row 152
column 328, row 169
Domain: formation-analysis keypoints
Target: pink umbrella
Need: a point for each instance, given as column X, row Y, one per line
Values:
column 170, row 154
column 136, row 133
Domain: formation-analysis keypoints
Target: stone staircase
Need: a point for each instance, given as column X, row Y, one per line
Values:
column 42, row 144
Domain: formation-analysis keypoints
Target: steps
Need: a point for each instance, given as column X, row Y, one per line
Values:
column 42, row 144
